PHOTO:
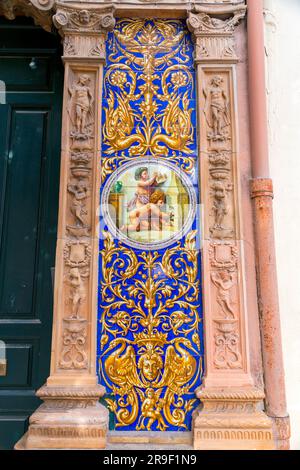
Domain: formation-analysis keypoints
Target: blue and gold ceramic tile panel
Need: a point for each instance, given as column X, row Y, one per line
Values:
column 150, row 331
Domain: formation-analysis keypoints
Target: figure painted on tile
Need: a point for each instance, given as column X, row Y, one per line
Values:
column 150, row 216
column 145, row 186
column 153, row 205
column 150, row 364
column 152, row 408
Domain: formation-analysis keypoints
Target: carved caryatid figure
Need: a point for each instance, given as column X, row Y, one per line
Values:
column 220, row 207
column 80, row 192
column 224, row 282
column 216, row 109
column 81, row 104
column 77, row 290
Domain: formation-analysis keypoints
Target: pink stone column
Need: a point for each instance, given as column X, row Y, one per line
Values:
column 262, row 195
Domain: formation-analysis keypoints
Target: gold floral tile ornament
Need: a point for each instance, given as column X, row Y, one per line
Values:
column 150, row 347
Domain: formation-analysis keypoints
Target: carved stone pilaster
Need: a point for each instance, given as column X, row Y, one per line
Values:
column 229, row 418
column 223, row 251
column 214, row 35
column 71, row 416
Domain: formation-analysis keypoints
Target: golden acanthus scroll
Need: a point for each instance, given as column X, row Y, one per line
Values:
column 148, row 88
column 153, row 360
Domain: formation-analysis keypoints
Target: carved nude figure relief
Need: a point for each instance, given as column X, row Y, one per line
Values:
column 81, row 100
column 224, row 282
column 80, row 192
column 216, row 110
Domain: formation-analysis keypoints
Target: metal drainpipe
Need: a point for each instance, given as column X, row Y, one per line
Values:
column 261, row 187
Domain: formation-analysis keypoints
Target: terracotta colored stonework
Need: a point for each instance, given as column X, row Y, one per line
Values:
column 232, row 392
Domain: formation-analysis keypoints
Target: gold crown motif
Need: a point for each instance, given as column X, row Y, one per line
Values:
column 157, row 338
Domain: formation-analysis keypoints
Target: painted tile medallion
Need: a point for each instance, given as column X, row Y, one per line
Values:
column 150, row 348
column 148, row 203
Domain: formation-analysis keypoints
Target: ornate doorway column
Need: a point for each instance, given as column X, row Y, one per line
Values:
column 71, row 415
column 231, row 417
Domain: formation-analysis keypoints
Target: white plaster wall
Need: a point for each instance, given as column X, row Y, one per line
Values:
column 282, row 41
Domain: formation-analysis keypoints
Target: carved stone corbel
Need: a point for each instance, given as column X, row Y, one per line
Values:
column 71, row 415
column 40, row 10
column 230, row 418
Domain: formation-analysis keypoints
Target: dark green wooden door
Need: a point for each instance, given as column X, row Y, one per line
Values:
column 30, row 126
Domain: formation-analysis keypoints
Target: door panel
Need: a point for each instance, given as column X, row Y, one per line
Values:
column 21, row 218
column 29, row 175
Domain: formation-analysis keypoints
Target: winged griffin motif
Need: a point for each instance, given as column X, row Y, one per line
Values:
column 142, row 373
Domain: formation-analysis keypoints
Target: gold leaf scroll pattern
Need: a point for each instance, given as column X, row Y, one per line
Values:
column 151, row 363
column 152, row 116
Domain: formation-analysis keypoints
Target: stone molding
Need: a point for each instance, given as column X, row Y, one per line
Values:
column 232, row 420
column 42, row 10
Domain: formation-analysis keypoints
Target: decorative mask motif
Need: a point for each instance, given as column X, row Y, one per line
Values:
column 150, row 351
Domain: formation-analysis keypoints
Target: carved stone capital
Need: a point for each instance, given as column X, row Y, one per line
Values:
column 84, row 29
column 214, row 35
column 84, row 20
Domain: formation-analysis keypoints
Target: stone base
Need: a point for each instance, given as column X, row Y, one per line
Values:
column 69, row 418
column 231, row 420
column 282, row 432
